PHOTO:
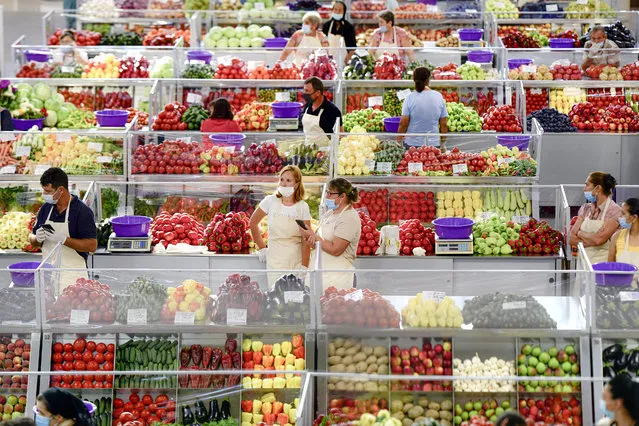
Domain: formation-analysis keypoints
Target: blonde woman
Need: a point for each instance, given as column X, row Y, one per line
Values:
column 305, row 41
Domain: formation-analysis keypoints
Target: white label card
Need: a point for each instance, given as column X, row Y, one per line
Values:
column 629, row 296
column 117, row 28
column 613, row 91
column 536, row 91
column 415, row 167
column 486, row 215
column 41, row 168
column 529, row 68
column 7, row 137
column 361, row 52
column 196, row 62
column 505, row 160
column 79, row 317
column 384, row 167
column 471, row 10
column 403, row 94
column 104, row 159
column 63, row 137
column 460, row 168
column 185, row 139
column 67, row 69
column 432, row 8
column 508, row 306
column 184, row 318
column 572, row 91
column 355, row 296
column 282, row 97
column 551, row 8
column 499, row 5
column 8, row 170
column 226, row 61
column 521, row 219
column 194, row 98
column 136, row 317
column 236, row 316
column 259, row 6
column 375, row 101
column 437, row 296
column 23, row 151
column 94, row 146
column 582, row 2
column 293, row 297
column 370, row 164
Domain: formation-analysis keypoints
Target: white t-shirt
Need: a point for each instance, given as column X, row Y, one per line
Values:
column 270, row 207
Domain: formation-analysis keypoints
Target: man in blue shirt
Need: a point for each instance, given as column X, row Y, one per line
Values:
column 64, row 219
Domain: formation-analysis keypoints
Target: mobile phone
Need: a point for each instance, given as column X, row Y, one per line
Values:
column 48, row 227
column 301, row 224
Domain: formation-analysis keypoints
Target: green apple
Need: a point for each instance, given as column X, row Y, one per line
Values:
column 567, row 367
column 533, row 361
column 544, row 357
column 526, row 349
column 553, row 351
column 477, row 406
column 541, row 368
column 499, row 411
column 570, row 349
column 468, row 406
column 553, row 363
column 458, row 420
column 536, row 351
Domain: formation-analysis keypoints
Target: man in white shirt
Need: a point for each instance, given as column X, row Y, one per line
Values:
column 599, row 50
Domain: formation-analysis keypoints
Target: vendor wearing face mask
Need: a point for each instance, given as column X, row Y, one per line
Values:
column 303, row 42
column 57, row 407
column 338, row 28
column 285, row 250
column 598, row 219
column 319, row 114
column 624, row 246
column 621, row 401
column 599, row 50
column 67, row 220
column 68, row 54
column 391, row 39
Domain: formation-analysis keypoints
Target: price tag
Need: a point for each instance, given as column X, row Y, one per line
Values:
column 370, row 164
column 286, row 65
column 521, row 219
column 572, row 91
column 235, row 316
column 551, row 8
column 7, row 137
column 536, row 91
column 361, row 52
column 282, row 97
column 184, row 318
column 582, row 1
column 375, row 101
column 437, row 296
column 226, row 61
column 258, row 6
column 102, row 159
column 629, row 296
column 41, row 168
column 471, row 11
column 509, row 306
column 254, row 64
column 403, row 94
column 415, row 167
column 23, row 151
column 79, row 317
column 185, row 139
column 486, row 215
column 293, row 297
column 355, row 296
column 8, row 170
column 460, row 168
column 196, row 62
column 194, row 98
column 95, row 146
column 529, row 68
column 67, row 69
column 613, row 91
column 12, row 322
column 432, row 8
column 136, row 317
column 63, row 136
column 384, row 167
column 505, row 160
column 117, row 29
column 499, row 5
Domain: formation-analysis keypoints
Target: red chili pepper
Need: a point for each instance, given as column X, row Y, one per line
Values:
column 216, row 358
column 183, row 379
column 207, row 353
column 230, row 346
column 185, row 357
column 227, row 362
column 237, row 360
column 194, row 379
column 196, row 354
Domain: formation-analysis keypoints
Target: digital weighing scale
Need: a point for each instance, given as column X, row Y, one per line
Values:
column 136, row 244
column 450, row 247
column 276, row 124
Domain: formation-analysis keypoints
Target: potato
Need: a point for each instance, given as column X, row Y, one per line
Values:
column 340, row 386
column 351, row 369
column 434, row 406
column 361, row 367
column 340, row 352
column 408, row 399
column 396, row 405
column 419, row 419
column 447, row 404
column 382, row 369
column 347, row 360
column 359, row 386
column 359, row 357
column 415, row 412
column 372, row 369
column 331, row 386
column 334, row 360
column 423, row 402
column 383, row 360
column 406, row 408
column 380, row 351
column 432, row 413
column 445, row 423
column 383, row 388
column 349, row 343
column 350, row 386
column 446, row 415
column 351, row 351
column 371, row 387
column 371, row 360
column 331, row 349
column 407, row 422
column 339, row 342
column 398, row 415
column 339, row 368
column 333, row 380
column 368, row 350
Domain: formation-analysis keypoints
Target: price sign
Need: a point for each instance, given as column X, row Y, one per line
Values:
column 69, row 70
column 117, row 29
column 194, row 98
column 629, row 296
column 227, row 61
column 185, row 139
column 254, row 64
column 94, row 146
column 293, row 297
column 63, row 137
column 282, row 97
column 41, row 168
column 361, row 52
column 437, row 296
column 403, row 94
column 432, row 8
column 384, row 167
column 572, row 91
column 521, row 219
column 460, row 168
column 23, row 151
column 582, row 1
column 486, row 215
column 79, row 317
column 415, row 167
column 509, row 306
column 499, row 5
column 355, row 296
column 471, row 11
column 196, row 62
column 235, row 316
column 613, row 91
column 286, row 65
column 529, row 68
column 370, row 164
column 8, row 170
column 184, row 318
column 103, row 159
column 259, row 6
column 7, row 137
column 505, row 160
column 375, row 101
column 551, row 8
column 536, row 91
column 136, row 317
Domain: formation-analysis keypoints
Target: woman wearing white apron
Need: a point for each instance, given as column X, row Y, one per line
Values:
column 624, row 246
column 338, row 234
column 305, row 41
column 319, row 114
column 389, row 38
column 339, row 30
column 285, row 251
column 598, row 219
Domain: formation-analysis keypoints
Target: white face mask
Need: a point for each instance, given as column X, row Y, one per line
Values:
column 286, row 191
column 49, row 198
column 306, row 29
column 598, row 45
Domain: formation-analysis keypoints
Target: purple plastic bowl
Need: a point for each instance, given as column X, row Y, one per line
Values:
column 516, row 63
column 111, row 117
column 519, row 141
column 24, row 125
column 37, row 55
column 230, row 140
column 90, row 407
column 561, row 43
column 199, row 55
column 431, row 2
column 22, row 273
column 453, row 228
column 614, row 280
column 480, row 56
column 470, row 34
column 131, row 226
column 286, row 109
column 275, row 42
column 391, row 124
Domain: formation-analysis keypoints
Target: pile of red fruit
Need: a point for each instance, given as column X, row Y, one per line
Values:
column 366, row 9
column 254, row 117
column 449, row 95
column 389, row 67
column 34, row 70
column 170, row 157
column 359, row 101
column 198, row 357
column 228, row 233
column 319, row 65
column 169, row 119
column 143, row 117
column 585, row 116
column 566, row 72
column 238, row 292
column 569, row 34
column 234, row 69
column 483, row 102
column 263, row 159
column 84, row 359
column 620, row 118
column 82, row 37
column 501, row 119
column 412, row 205
column 82, row 99
column 177, row 228
column 536, row 99
column 446, row 72
column 286, row 72
column 431, row 360
column 238, row 99
column 166, row 37
column 14, row 356
column 376, row 202
column 86, row 295
column 344, row 410
column 134, row 67
column 537, row 238
column 362, row 308
column 551, row 411
column 369, row 238
column 519, row 40
column 630, row 71
column 113, row 100
column 601, row 97
column 144, row 410
column 413, row 234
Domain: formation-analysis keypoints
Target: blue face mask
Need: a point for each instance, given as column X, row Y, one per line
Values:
column 606, row 412
column 589, row 197
column 41, row 420
column 330, row 204
column 338, row 16
column 383, row 29
column 306, row 29
column 624, row 223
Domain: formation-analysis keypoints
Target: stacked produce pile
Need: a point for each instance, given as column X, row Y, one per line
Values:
column 254, row 117
column 563, row 99
column 135, row 409
column 499, row 310
column 319, row 65
column 309, row 158
column 533, row 361
column 551, row 121
column 199, row 301
column 459, row 204
column 240, row 36
column 288, row 302
column 143, row 293
column 366, row 120
column 84, row 294
column 620, row 359
column 82, row 355
column 14, row 230
column 530, row 72
column 238, row 292
column 170, row 157
column 462, row 118
column 362, row 308
column 501, row 119
column 354, row 150
column 590, row 10
column 155, row 354
column 16, row 357
column 351, row 356
column 360, row 67
column 415, row 238
column 519, row 40
column 269, row 410
column 389, row 67
column 285, row 356
column 551, row 410
column 228, row 233
column 617, row 32
column 492, row 367
column 369, row 239
column 503, row 9
column 431, row 360
column 197, row 357
column 376, row 203
column 178, row 228
column 614, row 311
column 615, row 118
column 426, row 311
column 17, row 305
column 214, row 416
column 419, row 410
column 14, row 405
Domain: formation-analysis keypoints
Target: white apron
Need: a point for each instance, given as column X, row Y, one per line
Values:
column 338, row 280
column 596, row 254
column 284, row 243
column 70, row 259
column 313, row 130
column 627, row 256
column 391, row 48
column 302, row 54
column 334, row 41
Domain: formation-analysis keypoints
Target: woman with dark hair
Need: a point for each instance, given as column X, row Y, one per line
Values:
column 510, row 419
column 621, row 401
column 424, row 111
column 57, row 407
column 389, row 38
column 221, row 120
column 338, row 28
column 68, row 54
column 598, row 219
column 624, row 246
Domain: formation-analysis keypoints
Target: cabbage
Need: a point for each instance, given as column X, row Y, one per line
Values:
column 42, row 91
column 223, row 43
column 240, row 32
column 266, row 32
column 209, row 43
column 52, row 104
column 37, row 103
column 24, row 87
column 59, row 97
column 233, row 42
column 245, row 42
column 229, row 32
column 63, row 113
column 254, row 13
column 253, row 31
column 69, row 106
column 257, row 42
column 51, row 119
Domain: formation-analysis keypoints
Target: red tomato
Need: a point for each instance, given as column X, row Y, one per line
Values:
column 58, row 348
column 90, row 346
column 111, row 348
column 99, row 358
column 139, row 406
column 162, row 398
column 147, row 399
column 68, row 347
column 118, row 403
column 57, row 358
column 128, row 406
column 87, row 357
column 126, row 417
column 101, row 348
column 134, row 398
column 79, row 345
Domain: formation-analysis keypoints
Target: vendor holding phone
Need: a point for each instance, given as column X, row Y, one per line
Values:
column 285, row 211
column 67, row 220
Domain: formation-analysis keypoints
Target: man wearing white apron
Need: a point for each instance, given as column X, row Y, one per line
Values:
column 319, row 114
column 307, row 40
column 339, row 30
column 65, row 220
